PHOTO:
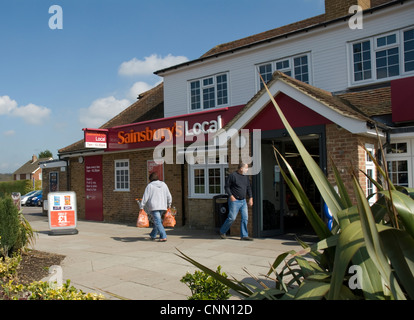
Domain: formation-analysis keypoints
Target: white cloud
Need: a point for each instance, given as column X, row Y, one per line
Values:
column 31, row 113
column 101, row 110
column 149, row 65
column 138, row 88
column 7, row 105
column 9, row 133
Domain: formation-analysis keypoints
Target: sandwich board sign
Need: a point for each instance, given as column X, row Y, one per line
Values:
column 62, row 213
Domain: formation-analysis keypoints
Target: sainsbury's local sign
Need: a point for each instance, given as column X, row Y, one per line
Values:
column 149, row 134
column 96, row 138
column 178, row 129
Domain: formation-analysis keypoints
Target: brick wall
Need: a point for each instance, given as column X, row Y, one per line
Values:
column 347, row 153
column 120, row 206
column 340, row 8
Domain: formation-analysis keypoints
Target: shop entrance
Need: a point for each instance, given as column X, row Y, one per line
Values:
column 277, row 210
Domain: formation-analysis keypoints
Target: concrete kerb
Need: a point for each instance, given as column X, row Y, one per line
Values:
column 121, row 262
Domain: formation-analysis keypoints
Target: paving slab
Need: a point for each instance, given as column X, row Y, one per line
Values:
column 121, row 261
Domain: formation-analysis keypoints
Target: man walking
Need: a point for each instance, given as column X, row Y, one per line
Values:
column 237, row 187
column 158, row 198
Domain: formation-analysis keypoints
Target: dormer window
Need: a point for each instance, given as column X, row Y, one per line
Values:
column 295, row 66
column 383, row 57
column 209, row 92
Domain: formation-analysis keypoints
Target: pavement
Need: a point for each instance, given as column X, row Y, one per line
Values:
column 121, row 262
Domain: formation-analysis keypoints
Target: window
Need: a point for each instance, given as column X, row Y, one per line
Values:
column 209, row 92
column 207, row 179
column 296, row 67
column 383, row 57
column 371, row 173
column 266, row 73
column 400, row 161
column 387, row 57
column 301, row 68
column 398, row 172
column 409, row 50
column 121, row 175
column 362, row 60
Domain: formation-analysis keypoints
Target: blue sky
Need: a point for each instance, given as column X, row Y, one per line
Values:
column 55, row 82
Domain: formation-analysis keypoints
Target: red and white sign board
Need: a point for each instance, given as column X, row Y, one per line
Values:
column 62, row 212
column 95, row 138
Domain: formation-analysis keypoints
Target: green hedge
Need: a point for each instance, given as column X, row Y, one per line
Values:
column 22, row 186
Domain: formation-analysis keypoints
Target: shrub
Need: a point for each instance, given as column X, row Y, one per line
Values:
column 40, row 290
column 22, row 186
column 205, row 287
column 15, row 231
column 9, row 226
column 8, row 266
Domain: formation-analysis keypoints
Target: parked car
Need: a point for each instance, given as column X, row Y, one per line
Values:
column 36, row 199
column 24, row 198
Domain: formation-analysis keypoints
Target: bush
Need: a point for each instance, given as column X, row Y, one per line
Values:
column 205, row 287
column 15, row 232
column 9, row 227
column 40, row 290
column 22, row 186
column 8, row 267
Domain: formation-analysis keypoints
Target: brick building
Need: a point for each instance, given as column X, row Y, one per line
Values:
column 334, row 83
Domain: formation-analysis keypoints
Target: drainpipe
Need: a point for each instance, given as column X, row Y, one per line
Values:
column 183, row 194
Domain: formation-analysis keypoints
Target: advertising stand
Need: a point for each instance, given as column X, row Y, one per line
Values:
column 62, row 213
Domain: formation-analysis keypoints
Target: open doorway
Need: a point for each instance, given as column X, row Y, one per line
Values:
column 278, row 210
column 295, row 220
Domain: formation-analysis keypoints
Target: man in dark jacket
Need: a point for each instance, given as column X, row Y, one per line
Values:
column 237, row 187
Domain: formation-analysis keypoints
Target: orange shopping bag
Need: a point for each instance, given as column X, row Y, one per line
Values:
column 169, row 220
column 142, row 221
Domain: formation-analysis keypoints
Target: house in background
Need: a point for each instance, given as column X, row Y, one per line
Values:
column 31, row 170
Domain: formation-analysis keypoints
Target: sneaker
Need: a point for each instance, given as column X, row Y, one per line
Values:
column 223, row 236
column 246, row 239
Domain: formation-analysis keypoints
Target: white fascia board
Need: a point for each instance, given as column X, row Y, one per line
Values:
column 352, row 125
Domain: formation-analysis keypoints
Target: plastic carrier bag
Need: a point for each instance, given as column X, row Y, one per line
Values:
column 169, row 219
column 142, row 221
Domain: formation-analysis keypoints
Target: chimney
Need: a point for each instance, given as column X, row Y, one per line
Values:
column 340, row 8
column 34, row 158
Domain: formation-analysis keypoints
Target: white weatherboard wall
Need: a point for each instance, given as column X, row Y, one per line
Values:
column 330, row 59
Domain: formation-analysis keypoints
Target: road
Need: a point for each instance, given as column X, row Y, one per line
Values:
column 33, row 213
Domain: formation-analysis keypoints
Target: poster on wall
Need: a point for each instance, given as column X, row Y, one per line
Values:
column 53, row 181
column 62, row 212
column 152, row 166
column 93, row 188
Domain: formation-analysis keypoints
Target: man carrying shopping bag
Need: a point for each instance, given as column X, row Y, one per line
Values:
column 157, row 198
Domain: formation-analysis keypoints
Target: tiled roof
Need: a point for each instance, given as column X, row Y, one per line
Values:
column 30, row 166
column 372, row 102
column 149, row 106
column 265, row 35
column 349, row 105
column 277, row 32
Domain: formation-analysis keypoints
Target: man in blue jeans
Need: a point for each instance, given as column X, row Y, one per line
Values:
column 237, row 187
column 157, row 198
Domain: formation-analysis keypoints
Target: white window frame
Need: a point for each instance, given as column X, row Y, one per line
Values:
column 205, row 166
column 370, row 165
column 408, row 156
column 116, row 169
column 290, row 69
column 373, row 53
column 212, row 85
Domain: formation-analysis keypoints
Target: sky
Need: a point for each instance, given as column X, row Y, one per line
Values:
column 72, row 64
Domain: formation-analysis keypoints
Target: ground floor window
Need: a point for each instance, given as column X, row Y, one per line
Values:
column 121, row 175
column 400, row 159
column 207, row 179
column 371, row 173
